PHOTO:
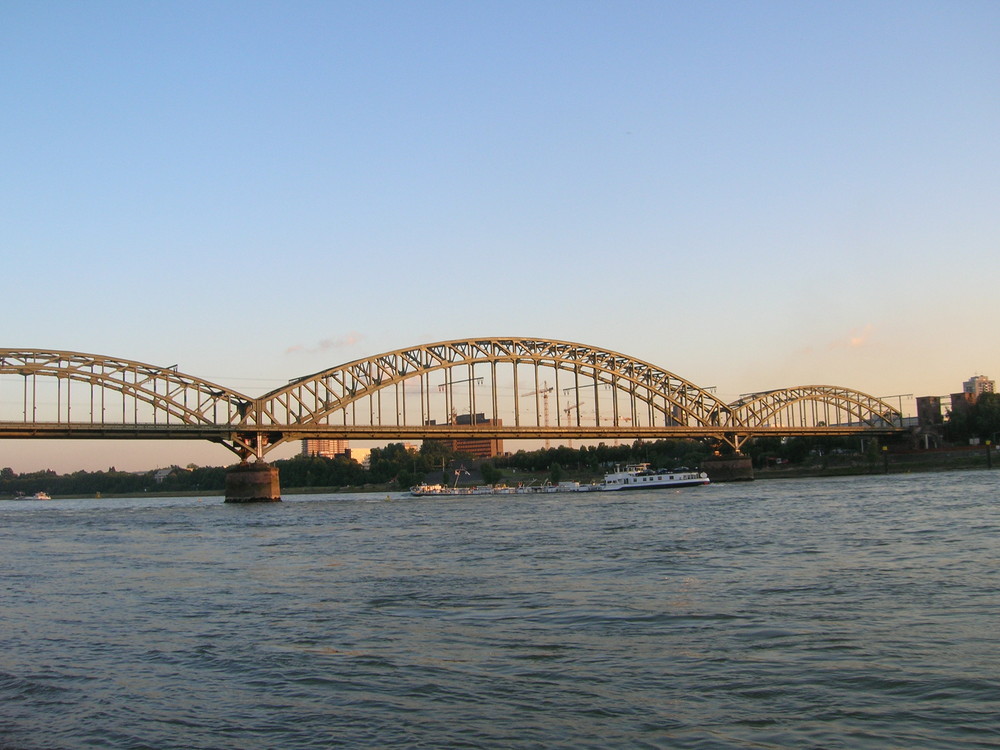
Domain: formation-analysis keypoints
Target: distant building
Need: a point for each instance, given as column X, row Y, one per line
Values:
column 325, row 447
column 483, row 447
column 978, row 384
column 960, row 402
column 929, row 411
column 929, row 422
column 160, row 475
column 330, row 448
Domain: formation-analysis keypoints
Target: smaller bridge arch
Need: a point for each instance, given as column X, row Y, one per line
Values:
column 73, row 394
column 811, row 409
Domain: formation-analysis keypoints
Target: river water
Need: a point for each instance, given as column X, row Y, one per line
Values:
column 814, row 613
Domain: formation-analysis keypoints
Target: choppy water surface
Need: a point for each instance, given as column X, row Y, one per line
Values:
column 847, row 613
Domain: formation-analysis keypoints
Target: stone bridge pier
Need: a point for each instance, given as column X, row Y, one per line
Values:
column 255, row 482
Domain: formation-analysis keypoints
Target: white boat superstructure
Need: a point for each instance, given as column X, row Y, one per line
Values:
column 423, row 490
column 641, row 477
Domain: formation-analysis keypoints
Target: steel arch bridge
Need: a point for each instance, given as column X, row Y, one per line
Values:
column 501, row 388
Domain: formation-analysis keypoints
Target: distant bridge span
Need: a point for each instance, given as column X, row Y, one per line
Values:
column 507, row 388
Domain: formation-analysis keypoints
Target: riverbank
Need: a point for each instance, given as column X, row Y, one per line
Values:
column 890, row 462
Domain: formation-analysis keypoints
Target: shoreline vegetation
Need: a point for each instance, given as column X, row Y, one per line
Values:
column 302, row 474
column 908, row 462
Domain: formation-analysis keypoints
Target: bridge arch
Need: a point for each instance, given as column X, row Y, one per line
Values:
column 813, row 406
column 46, row 388
column 571, row 384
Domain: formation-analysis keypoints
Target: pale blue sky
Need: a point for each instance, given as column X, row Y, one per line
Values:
column 749, row 194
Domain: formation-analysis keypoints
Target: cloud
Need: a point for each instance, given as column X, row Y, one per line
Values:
column 326, row 345
column 856, row 339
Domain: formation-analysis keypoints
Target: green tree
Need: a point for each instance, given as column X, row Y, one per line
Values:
column 491, row 474
column 984, row 417
column 956, row 428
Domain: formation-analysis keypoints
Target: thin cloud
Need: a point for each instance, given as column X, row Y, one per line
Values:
column 856, row 339
column 326, row 345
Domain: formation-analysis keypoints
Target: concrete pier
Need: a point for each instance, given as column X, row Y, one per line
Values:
column 728, row 468
column 253, row 483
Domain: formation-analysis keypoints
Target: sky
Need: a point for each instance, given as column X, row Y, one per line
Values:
column 750, row 195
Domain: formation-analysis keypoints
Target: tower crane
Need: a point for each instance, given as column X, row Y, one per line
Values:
column 544, row 391
column 568, row 410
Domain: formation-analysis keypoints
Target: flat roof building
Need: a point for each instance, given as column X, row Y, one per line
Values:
column 483, row 447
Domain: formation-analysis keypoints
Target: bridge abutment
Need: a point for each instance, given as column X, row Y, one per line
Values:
column 253, row 483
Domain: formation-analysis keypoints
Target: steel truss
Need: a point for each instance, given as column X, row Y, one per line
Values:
column 70, row 394
column 812, row 409
column 458, row 388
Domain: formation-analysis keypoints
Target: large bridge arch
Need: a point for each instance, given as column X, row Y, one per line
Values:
column 431, row 383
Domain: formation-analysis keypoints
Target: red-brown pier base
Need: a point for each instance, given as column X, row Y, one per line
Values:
column 252, row 483
column 728, row 468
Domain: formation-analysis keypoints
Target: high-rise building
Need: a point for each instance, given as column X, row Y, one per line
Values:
column 325, row 447
column 977, row 385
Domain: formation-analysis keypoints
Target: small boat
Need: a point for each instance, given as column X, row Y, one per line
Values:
column 36, row 496
column 632, row 477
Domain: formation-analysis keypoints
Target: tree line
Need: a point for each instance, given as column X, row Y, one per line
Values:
column 394, row 466
column 980, row 420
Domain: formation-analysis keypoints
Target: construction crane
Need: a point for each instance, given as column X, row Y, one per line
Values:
column 569, row 409
column 544, row 392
